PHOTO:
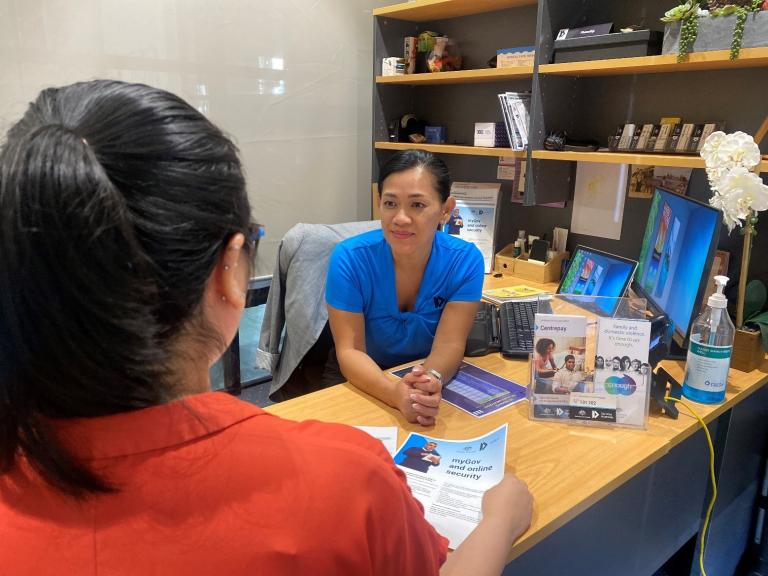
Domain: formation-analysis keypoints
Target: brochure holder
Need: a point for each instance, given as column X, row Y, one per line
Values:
column 590, row 361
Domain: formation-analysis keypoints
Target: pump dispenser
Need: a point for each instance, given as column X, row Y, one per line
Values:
column 709, row 350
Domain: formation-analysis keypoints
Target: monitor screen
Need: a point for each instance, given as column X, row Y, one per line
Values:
column 676, row 256
column 595, row 273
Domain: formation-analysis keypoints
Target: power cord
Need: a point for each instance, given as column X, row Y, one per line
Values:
column 711, row 477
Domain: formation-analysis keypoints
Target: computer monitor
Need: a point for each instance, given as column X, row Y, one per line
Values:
column 676, row 258
column 594, row 273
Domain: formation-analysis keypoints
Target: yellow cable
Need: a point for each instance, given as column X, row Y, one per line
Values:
column 711, row 477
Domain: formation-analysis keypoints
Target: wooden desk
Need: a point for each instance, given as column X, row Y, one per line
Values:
column 567, row 468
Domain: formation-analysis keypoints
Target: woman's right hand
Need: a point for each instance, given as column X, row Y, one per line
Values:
column 419, row 396
column 509, row 505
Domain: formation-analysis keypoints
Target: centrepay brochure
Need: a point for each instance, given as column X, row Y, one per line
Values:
column 449, row 478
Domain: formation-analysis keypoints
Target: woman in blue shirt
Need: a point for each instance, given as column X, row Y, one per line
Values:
column 406, row 291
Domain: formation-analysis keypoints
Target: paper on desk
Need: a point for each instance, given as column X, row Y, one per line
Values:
column 387, row 435
column 598, row 199
column 450, row 479
column 477, row 391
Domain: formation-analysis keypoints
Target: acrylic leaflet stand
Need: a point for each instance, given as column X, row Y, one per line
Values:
column 590, row 361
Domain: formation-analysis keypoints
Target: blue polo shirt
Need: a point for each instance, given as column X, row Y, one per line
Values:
column 361, row 278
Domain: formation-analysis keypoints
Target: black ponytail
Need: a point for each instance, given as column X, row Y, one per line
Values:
column 115, row 201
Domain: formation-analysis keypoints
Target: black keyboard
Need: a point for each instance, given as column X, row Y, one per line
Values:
column 517, row 327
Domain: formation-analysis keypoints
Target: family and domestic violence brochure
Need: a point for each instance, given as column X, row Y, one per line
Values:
column 449, row 478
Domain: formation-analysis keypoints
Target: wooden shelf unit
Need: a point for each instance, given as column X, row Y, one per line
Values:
column 675, row 160
column 425, row 10
column 697, row 61
column 451, row 149
column 459, row 76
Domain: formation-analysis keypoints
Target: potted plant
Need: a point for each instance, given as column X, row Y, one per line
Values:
column 701, row 25
column 732, row 162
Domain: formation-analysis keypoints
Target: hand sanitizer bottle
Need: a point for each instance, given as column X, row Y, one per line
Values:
column 709, row 351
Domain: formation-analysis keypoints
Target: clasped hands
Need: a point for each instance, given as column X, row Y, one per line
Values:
column 420, row 394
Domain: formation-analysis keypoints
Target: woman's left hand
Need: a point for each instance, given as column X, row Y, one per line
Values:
column 425, row 394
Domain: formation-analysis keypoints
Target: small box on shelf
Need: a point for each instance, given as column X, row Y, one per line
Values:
column 511, row 57
column 491, row 135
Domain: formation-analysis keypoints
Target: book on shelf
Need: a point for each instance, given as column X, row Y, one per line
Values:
column 635, row 139
column 515, row 108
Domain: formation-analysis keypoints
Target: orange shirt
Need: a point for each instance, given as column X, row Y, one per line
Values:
column 212, row 485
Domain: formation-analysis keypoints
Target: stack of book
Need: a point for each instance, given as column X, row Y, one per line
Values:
column 515, row 107
column 669, row 137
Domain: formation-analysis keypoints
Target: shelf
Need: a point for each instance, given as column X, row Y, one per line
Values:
column 424, row 10
column 459, row 76
column 678, row 160
column 451, row 149
column 713, row 60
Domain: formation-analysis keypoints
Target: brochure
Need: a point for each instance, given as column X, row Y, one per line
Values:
column 558, row 363
column 474, row 217
column 622, row 373
column 565, row 388
column 478, row 391
column 500, row 295
column 449, row 478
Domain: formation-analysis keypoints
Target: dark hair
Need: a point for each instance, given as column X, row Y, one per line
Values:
column 115, row 202
column 599, row 360
column 407, row 159
column 543, row 344
column 569, row 357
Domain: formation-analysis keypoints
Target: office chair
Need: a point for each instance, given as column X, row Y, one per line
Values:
column 296, row 345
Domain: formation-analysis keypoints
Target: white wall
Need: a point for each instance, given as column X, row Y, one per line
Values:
column 289, row 80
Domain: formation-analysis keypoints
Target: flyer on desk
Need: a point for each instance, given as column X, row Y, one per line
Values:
column 449, row 478
column 478, row 391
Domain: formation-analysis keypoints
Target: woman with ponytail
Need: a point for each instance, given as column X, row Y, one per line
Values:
column 125, row 249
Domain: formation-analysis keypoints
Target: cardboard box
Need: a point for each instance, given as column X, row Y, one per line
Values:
column 511, row 57
column 505, row 263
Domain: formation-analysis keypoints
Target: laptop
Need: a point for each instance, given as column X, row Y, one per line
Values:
column 590, row 273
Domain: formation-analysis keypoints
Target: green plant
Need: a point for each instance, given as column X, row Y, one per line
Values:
column 755, row 297
column 690, row 11
column 688, row 14
column 741, row 12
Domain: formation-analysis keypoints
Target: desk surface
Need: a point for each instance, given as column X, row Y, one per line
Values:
column 567, row 468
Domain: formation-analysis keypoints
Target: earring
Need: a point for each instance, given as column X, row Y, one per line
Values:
column 223, row 298
column 226, row 266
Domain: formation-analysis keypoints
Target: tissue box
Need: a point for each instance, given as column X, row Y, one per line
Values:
column 491, row 135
